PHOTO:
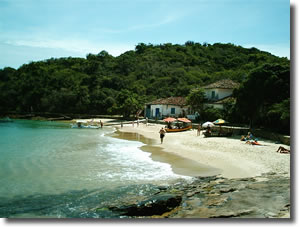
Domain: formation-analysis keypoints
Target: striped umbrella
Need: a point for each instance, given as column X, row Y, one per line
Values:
column 219, row 122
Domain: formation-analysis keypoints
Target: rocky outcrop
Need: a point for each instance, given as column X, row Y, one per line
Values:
column 266, row 196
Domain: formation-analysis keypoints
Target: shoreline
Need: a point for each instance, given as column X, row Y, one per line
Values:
column 180, row 165
column 232, row 157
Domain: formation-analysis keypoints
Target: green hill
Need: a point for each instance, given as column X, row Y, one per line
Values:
column 101, row 83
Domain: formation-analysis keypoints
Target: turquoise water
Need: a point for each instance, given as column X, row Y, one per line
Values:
column 50, row 160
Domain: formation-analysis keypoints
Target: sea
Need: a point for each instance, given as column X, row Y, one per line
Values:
column 49, row 169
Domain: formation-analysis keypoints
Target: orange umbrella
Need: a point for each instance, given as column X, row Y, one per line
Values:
column 184, row 120
column 169, row 119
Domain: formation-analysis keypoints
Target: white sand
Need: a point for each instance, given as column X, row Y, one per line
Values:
column 235, row 158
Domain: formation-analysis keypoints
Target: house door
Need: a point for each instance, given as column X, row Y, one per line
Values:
column 148, row 111
column 156, row 112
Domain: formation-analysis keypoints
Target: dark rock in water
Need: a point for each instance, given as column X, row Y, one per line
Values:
column 156, row 205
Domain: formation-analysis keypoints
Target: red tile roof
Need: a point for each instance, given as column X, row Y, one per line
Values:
column 177, row 101
column 225, row 84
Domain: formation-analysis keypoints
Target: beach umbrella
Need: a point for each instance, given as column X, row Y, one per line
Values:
column 169, row 119
column 208, row 123
column 184, row 120
column 219, row 122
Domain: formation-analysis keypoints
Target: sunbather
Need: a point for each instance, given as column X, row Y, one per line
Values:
column 283, row 150
column 254, row 142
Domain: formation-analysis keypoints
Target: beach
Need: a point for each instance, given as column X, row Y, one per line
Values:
column 226, row 156
column 114, row 172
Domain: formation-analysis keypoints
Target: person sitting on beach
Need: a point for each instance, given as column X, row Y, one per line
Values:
column 283, row 150
column 249, row 136
column 162, row 134
column 243, row 138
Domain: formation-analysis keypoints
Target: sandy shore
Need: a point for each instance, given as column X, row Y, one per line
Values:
column 231, row 157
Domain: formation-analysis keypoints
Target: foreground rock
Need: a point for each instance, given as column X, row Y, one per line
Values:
column 267, row 196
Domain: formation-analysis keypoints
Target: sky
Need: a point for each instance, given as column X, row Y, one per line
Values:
column 32, row 30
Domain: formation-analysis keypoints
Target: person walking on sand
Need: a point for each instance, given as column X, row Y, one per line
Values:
column 121, row 124
column 198, row 130
column 162, row 135
column 101, row 124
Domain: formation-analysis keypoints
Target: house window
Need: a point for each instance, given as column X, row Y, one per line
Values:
column 172, row 110
column 213, row 94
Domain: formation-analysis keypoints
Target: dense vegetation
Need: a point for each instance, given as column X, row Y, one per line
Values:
column 103, row 84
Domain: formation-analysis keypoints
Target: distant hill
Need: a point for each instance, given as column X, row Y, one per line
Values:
column 101, row 83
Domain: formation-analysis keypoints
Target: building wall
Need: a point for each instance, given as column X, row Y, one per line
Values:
column 165, row 110
column 219, row 93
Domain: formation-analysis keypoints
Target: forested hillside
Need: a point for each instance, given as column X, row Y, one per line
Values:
column 103, row 84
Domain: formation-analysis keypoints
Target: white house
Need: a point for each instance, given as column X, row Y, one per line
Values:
column 219, row 92
column 172, row 106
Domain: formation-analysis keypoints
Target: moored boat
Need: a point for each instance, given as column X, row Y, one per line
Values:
column 182, row 124
column 178, row 129
column 80, row 125
column 5, row 120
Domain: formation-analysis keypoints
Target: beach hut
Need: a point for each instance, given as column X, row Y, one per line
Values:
column 163, row 107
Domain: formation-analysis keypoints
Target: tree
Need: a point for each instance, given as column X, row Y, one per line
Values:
column 128, row 103
column 265, row 87
column 196, row 100
column 279, row 114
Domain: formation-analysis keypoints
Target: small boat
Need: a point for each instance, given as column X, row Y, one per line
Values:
column 182, row 124
column 178, row 129
column 5, row 120
column 80, row 125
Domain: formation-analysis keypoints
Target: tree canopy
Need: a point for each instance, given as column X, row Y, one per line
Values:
column 103, row 84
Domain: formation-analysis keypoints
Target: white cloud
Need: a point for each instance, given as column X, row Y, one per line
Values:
column 79, row 47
